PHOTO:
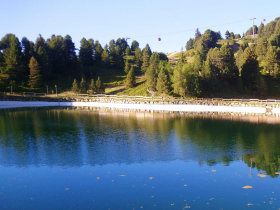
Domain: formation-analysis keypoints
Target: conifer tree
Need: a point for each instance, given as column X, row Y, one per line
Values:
column 146, row 60
column 75, row 87
column 134, row 45
column 127, row 51
column 130, row 78
column 197, row 34
column 127, row 66
column 12, row 56
column 105, row 55
column 99, row 86
column 92, row 86
column 83, row 86
column 35, row 76
column 270, row 59
column 250, row 73
column 138, row 57
column 98, row 50
column 162, row 82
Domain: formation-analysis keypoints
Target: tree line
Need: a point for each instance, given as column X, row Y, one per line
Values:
column 215, row 70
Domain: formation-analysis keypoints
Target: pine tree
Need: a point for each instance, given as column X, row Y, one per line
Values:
column 189, row 44
column 85, row 57
column 92, row 86
column 227, row 34
column 249, row 72
column 127, row 51
column 83, row 86
column 127, row 66
column 146, row 60
column 12, row 56
column 134, row 45
column 105, row 55
column 98, row 50
column 99, row 86
column 270, row 59
column 276, row 70
column 75, row 87
column 130, row 78
column 162, row 82
column 35, row 76
column 138, row 57
column 197, row 34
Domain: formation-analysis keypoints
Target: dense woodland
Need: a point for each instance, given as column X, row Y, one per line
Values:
column 211, row 66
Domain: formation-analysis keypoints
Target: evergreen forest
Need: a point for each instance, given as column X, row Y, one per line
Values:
column 212, row 65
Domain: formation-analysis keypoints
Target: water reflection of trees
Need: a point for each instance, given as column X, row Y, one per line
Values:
column 75, row 137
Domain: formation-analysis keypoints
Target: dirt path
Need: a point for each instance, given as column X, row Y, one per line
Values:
column 170, row 58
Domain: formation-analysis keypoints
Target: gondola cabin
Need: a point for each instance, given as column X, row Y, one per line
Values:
column 159, row 39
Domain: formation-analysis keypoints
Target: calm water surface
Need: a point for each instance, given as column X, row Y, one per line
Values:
column 78, row 159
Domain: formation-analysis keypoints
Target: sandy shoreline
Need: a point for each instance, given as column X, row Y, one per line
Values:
column 165, row 107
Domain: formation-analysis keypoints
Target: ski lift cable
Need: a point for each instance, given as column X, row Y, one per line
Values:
column 177, row 32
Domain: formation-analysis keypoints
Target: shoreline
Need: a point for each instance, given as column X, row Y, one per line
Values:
column 156, row 107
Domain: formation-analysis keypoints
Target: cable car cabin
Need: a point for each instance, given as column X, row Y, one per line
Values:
column 159, row 39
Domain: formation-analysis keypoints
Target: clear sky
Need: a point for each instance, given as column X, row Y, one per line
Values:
column 174, row 21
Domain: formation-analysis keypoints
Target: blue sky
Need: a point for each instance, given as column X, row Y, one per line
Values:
column 174, row 21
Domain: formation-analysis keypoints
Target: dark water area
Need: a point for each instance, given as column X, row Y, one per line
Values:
column 85, row 159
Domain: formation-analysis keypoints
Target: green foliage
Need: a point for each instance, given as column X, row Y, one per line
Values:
column 250, row 31
column 271, row 60
column 75, row 87
column 83, row 86
column 130, row 78
column 86, row 58
column 13, row 63
column 163, row 82
column 35, row 76
column 127, row 51
column 138, row 57
column 189, row 44
column 239, row 59
column 105, row 56
column 127, row 67
column 237, row 36
column 92, row 87
column 250, row 73
column 261, row 48
column 261, row 87
column 146, row 59
column 134, row 45
column 99, row 86
column 98, row 50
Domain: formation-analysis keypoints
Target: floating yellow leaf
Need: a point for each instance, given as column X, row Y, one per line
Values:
column 187, row 207
column 247, row 187
column 151, row 177
column 185, row 185
column 122, row 175
column 152, row 196
column 112, row 180
column 172, row 204
column 250, row 204
column 277, row 172
column 97, row 178
column 262, row 175
column 213, row 170
column 67, row 189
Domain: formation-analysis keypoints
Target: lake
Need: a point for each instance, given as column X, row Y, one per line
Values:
column 66, row 158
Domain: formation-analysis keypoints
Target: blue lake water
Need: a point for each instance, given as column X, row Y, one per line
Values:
column 85, row 159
